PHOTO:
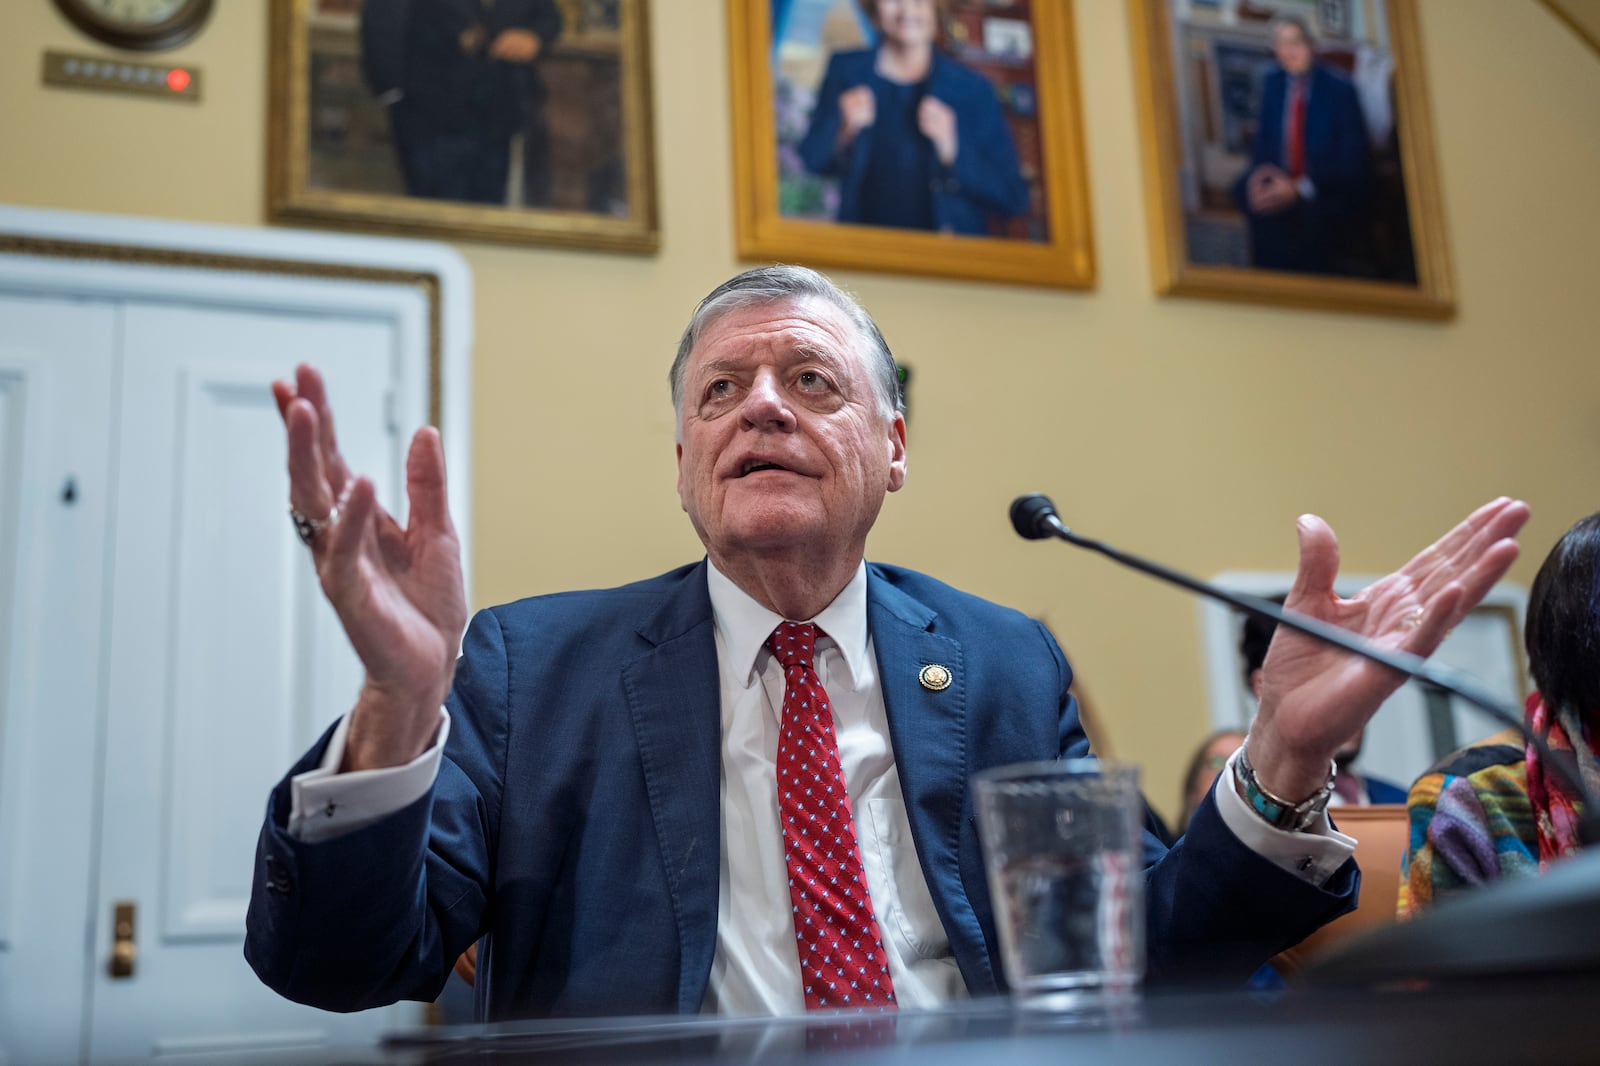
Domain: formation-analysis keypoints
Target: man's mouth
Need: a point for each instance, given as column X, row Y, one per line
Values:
column 755, row 466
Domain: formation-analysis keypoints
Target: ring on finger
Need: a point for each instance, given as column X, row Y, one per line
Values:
column 1414, row 618
column 307, row 528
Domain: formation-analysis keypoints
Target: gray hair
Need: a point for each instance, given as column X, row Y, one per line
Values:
column 1299, row 23
column 780, row 283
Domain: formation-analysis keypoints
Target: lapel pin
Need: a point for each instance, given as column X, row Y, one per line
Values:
column 935, row 678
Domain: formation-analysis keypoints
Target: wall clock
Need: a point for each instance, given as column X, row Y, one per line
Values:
column 141, row 25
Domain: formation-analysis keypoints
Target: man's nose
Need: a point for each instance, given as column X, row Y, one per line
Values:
column 766, row 406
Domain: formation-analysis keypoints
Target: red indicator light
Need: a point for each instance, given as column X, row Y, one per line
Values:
column 177, row 79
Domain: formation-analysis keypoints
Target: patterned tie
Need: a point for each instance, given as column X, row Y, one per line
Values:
column 842, row 962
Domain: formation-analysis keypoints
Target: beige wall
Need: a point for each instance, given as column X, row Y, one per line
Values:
column 1191, row 431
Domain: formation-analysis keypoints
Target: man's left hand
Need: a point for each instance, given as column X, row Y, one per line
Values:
column 1315, row 697
column 515, row 46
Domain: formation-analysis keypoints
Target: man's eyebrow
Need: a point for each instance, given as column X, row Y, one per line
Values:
column 821, row 352
column 718, row 366
column 803, row 350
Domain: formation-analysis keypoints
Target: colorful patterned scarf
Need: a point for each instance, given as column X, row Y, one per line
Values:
column 1557, row 806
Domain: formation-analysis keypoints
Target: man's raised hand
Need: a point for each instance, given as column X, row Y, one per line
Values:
column 1315, row 697
column 398, row 591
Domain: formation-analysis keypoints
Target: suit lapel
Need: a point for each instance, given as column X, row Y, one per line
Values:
column 674, row 699
column 928, row 730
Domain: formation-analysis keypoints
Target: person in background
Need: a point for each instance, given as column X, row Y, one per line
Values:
column 1208, row 760
column 917, row 140
column 1310, row 165
column 1350, row 786
column 1494, row 810
column 458, row 78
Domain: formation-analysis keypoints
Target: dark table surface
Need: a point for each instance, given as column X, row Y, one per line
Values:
column 1527, row 1020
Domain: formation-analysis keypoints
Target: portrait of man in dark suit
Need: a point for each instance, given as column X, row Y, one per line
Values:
column 1298, row 147
column 1310, row 163
column 459, row 79
column 502, row 119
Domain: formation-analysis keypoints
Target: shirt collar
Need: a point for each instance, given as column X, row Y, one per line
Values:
column 744, row 625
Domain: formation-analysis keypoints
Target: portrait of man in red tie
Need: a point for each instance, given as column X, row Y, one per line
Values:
column 1310, row 162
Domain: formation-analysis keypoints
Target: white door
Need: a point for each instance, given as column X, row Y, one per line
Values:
column 168, row 656
column 55, row 359
column 225, row 662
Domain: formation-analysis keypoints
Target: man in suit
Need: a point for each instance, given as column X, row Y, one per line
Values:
column 459, row 79
column 611, row 802
column 1309, row 171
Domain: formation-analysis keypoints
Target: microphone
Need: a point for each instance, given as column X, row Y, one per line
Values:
column 1542, row 925
column 1034, row 516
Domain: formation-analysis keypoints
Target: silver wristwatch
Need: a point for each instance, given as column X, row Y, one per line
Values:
column 1274, row 810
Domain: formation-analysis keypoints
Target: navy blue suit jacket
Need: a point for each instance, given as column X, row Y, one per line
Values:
column 985, row 178
column 1337, row 160
column 576, row 819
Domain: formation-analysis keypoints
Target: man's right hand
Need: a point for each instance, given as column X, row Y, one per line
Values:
column 516, row 46
column 398, row 591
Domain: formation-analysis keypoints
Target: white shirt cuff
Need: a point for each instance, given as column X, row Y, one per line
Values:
column 1303, row 186
column 1312, row 856
column 324, row 803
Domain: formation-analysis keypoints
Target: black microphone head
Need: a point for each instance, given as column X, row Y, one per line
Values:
column 1033, row 516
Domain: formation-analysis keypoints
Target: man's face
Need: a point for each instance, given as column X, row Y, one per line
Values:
column 1292, row 50
column 783, row 441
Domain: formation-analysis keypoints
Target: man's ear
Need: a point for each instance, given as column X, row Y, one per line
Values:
column 897, row 452
column 681, row 501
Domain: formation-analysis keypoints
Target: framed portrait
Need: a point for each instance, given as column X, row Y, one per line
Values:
column 524, row 121
column 1289, row 154
column 934, row 137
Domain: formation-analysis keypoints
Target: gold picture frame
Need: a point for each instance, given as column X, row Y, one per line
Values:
column 335, row 142
column 1028, row 58
column 1197, row 82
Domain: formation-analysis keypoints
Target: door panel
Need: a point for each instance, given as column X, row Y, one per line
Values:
column 225, row 720
column 225, row 661
column 55, row 412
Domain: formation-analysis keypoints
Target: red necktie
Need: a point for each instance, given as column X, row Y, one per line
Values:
column 842, row 962
column 1295, row 150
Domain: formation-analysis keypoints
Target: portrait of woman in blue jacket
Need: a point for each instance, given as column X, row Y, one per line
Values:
column 916, row 139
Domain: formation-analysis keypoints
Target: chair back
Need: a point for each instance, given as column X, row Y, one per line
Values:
column 1381, row 832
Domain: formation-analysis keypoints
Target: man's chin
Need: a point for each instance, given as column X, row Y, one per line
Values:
column 773, row 531
column 774, row 537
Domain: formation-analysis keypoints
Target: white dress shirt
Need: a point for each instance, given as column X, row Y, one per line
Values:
column 756, row 967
